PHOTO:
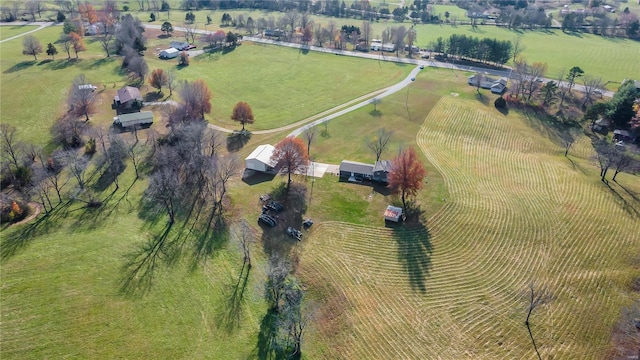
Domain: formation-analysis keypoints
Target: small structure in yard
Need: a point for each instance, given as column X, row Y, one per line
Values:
column 499, row 86
column 87, row 87
column 260, row 159
column 354, row 171
column 128, row 99
column 622, row 135
column 142, row 119
column 496, row 86
column 393, row 213
column 601, row 125
column 169, row 53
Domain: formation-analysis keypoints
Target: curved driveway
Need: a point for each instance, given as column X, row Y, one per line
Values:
column 41, row 25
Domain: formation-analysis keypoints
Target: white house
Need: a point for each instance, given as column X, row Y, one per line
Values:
column 499, row 86
column 169, row 53
column 260, row 159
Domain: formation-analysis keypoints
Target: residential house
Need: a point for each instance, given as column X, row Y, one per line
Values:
column 127, row 100
column 354, row 171
column 381, row 170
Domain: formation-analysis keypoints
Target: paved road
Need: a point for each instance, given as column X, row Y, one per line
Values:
column 41, row 25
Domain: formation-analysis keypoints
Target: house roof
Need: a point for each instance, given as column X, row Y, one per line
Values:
column 622, row 132
column 263, row 154
column 356, row 167
column 128, row 93
column 134, row 118
column 170, row 51
column 382, row 165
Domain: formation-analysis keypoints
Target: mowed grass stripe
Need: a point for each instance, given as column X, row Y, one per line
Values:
column 518, row 213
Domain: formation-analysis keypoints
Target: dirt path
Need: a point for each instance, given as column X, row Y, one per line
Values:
column 35, row 209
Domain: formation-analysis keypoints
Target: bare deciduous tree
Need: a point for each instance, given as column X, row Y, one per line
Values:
column 10, row 144
column 591, row 84
column 82, row 98
column 190, row 32
column 309, row 134
column 379, row 142
column 31, row 46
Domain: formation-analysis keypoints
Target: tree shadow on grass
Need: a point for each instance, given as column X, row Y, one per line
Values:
column 266, row 347
column 231, row 315
column 63, row 64
column 140, row 266
column 628, row 206
column 20, row 66
column 237, row 139
column 20, row 238
column 375, row 113
column 414, row 252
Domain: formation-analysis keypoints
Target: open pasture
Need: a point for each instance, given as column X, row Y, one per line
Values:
column 7, row 31
column 519, row 213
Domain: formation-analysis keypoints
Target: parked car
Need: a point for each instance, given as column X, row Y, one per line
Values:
column 307, row 223
column 267, row 220
column 275, row 206
column 294, row 233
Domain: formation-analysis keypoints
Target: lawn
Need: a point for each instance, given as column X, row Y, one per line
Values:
column 283, row 85
column 8, row 31
column 504, row 208
column 61, row 290
column 518, row 212
column 301, row 84
column 612, row 59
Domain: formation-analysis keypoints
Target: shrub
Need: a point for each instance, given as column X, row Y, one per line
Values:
column 90, row 147
column 500, row 103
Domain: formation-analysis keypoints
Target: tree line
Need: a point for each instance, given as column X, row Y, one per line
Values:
column 485, row 50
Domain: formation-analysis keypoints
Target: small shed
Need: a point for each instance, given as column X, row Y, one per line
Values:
column 260, row 159
column 169, row 53
column 622, row 135
column 355, row 171
column 143, row 118
column 393, row 213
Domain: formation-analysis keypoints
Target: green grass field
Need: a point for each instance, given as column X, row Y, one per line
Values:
column 518, row 212
column 612, row 59
column 8, row 31
column 503, row 207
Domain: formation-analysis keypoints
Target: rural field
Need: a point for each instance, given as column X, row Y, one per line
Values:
column 612, row 59
column 503, row 211
column 518, row 213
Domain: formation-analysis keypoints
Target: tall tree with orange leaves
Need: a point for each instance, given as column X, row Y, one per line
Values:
column 243, row 114
column 197, row 98
column 290, row 155
column 406, row 175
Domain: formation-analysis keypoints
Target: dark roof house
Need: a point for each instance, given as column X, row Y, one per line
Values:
column 355, row 171
column 381, row 170
column 128, row 99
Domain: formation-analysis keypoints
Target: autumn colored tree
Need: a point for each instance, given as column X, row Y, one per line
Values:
column 290, row 155
column 242, row 113
column 183, row 59
column 406, row 174
column 197, row 98
column 77, row 43
column 158, row 79
column 31, row 46
column 88, row 12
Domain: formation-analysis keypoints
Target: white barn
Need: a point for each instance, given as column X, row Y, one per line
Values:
column 169, row 53
column 260, row 159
